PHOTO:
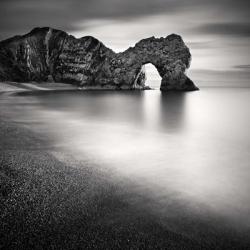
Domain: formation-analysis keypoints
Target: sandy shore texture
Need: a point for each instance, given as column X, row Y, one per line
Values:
column 47, row 203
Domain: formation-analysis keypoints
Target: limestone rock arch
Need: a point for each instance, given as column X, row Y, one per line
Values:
column 48, row 54
column 169, row 55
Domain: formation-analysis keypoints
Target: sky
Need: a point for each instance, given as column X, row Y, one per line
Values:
column 216, row 31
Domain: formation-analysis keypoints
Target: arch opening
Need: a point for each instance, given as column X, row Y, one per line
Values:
column 153, row 78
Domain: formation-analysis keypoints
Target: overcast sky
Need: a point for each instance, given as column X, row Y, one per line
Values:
column 216, row 31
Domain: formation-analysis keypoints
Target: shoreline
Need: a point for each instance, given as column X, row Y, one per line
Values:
column 52, row 87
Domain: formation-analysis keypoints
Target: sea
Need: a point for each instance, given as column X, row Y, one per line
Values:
column 189, row 150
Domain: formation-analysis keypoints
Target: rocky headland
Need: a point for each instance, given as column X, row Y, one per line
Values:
column 50, row 55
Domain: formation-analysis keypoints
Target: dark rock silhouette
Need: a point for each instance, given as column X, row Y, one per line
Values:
column 47, row 54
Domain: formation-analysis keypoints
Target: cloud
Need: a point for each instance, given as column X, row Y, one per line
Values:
column 19, row 16
column 228, row 78
column 202, row 45
column 243, row 66
column 225, row 29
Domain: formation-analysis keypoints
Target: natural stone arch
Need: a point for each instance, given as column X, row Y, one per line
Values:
column 169, row 55
column 46, row 53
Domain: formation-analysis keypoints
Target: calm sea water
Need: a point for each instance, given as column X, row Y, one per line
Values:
column 193, row 147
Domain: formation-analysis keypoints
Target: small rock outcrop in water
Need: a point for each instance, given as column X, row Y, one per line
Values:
column 47, row 54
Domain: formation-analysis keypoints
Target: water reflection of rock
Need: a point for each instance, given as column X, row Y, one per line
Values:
column 172, row 111
column 110, row 106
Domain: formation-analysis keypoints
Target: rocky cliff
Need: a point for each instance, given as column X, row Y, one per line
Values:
column 47, row 54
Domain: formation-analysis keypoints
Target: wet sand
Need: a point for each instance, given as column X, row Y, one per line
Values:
column 47, row 203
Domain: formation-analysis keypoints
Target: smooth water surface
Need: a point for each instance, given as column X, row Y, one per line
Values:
column 193, row 147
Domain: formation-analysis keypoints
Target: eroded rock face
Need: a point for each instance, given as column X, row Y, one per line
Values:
column 47, row 54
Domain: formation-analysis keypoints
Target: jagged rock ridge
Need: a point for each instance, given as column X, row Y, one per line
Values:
column 47, row 54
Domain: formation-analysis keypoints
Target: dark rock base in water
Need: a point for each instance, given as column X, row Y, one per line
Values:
column 51, row 55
